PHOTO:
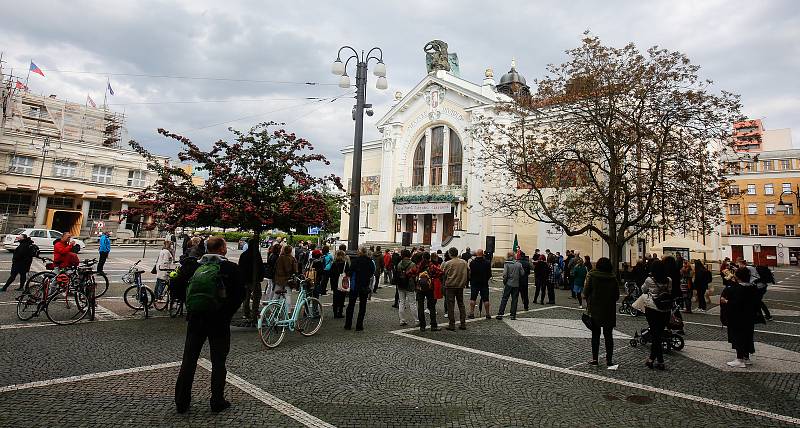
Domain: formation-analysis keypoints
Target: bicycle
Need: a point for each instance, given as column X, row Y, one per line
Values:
column 274, row 318
column 138, row 296
column 60, row 296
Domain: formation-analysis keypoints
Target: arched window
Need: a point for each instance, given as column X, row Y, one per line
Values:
column 418, row 168
column 454, row 161
column 437, row 155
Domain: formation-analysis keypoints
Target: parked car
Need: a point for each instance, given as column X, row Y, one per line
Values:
column 43, row 238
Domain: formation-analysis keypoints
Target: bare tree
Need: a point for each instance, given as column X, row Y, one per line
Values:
column 614, row 141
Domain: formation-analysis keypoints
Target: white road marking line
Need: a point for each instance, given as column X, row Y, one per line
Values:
column 757, row 331
column 107, row 312
column 592, row 376
column 270, row 400
column 89, row 376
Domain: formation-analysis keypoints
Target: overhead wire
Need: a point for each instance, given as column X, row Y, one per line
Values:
column 169, row 76
column 214, row 101
column 331, row 99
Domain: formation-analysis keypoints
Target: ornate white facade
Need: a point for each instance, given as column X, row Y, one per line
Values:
column 413, row 179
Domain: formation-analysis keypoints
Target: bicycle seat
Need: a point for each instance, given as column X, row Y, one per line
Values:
column 139, row 271
column 280, row 292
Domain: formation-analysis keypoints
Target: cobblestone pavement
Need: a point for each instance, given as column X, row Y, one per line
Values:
column 528, row 372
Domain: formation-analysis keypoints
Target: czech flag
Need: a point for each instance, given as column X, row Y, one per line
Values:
column 110, row 91
column 35, row 68
column 21, row 85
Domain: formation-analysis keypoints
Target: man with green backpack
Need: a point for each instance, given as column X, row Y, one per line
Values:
column 214, row 294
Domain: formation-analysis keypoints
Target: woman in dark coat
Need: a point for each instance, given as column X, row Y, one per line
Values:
column 740, row 304
column 601, row 291
column 702, row 277
column 21, row 262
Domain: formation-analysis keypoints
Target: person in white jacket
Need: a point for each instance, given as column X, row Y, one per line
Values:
column 164, row 265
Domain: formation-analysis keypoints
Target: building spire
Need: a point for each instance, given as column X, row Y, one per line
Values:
column 513, row 62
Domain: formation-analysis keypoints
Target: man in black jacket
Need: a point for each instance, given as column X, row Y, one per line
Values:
column 251, row 263
column 21, row 261
column 214, row 326
column 480, row 272
column 363, row 269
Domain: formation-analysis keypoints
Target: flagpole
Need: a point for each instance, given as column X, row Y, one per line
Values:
column 83, row 120
column 105, row 94
column 29, row 74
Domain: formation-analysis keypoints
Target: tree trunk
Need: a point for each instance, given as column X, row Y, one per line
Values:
column 256, row 255
column 615, row 251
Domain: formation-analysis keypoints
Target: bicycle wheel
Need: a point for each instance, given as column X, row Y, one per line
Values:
column 161, row 302
column 310, row 317
column 133, row 300
column 28, row 305
column 66, row 307
column 101, row 284
column 268, row 329
column 175, row 307
column 677, row 342
column 40, row 280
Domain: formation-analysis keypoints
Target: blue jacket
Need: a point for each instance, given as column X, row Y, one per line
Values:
column 105, row 244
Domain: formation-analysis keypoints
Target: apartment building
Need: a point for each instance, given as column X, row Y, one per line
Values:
column 762, row 220
column 64, row 166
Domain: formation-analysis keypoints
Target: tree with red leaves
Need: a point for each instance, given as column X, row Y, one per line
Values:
column 259, row 181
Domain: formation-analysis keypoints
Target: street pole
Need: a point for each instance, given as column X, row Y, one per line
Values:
column 355, row 191
column 45, row 145
column 339, row 68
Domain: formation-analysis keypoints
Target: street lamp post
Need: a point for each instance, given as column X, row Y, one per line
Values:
column 783, row 206
column 339, row 68
column 45, row 149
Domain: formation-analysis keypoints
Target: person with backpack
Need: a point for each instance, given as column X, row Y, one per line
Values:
column 251, row 263
column 512, row 273
column 214, row 295
column 763, row 277
column 525, row 261
column 702, row 278
column 426, row 273
column 21, row 261
column 406, row 284
column 327, row 261
column 105, row 249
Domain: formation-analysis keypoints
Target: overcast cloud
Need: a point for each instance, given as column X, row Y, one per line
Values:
column 751, row 48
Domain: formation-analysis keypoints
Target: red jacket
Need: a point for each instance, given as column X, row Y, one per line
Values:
column 387, row 260
column 63, row 255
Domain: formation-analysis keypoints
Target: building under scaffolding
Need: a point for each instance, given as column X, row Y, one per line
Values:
column 65, row 165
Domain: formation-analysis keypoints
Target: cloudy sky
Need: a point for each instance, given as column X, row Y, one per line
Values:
column 243, row 62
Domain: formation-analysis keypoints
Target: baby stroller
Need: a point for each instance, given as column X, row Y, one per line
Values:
column 633, row 292
column 670, row 340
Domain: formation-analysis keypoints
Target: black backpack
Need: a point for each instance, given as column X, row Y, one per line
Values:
column 765, row 275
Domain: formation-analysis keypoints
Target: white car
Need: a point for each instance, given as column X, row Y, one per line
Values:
column 43, row 238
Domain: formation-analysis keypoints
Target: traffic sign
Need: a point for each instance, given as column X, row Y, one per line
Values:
column 756, row 248
column 313, row 230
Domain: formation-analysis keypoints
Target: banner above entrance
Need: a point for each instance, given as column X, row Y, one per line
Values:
column 429, row 208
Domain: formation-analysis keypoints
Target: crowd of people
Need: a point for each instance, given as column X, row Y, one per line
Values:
column 421, row 278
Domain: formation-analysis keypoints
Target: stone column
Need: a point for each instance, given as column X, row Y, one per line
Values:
column 41, row 211
column 426, row 179
column 446, row 157
column 122, row 220
column 85, row 211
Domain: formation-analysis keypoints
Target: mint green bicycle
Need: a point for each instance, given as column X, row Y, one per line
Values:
column 274, row 317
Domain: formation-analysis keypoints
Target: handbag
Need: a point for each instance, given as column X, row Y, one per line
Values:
column 587, row 321
column 344, row 283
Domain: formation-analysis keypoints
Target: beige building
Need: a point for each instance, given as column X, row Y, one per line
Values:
column 64, row 166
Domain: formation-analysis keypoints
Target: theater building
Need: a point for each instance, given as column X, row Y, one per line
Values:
column 418, row 178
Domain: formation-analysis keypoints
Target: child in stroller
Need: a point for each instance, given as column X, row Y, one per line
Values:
column 671, row 340
column 633, row 292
